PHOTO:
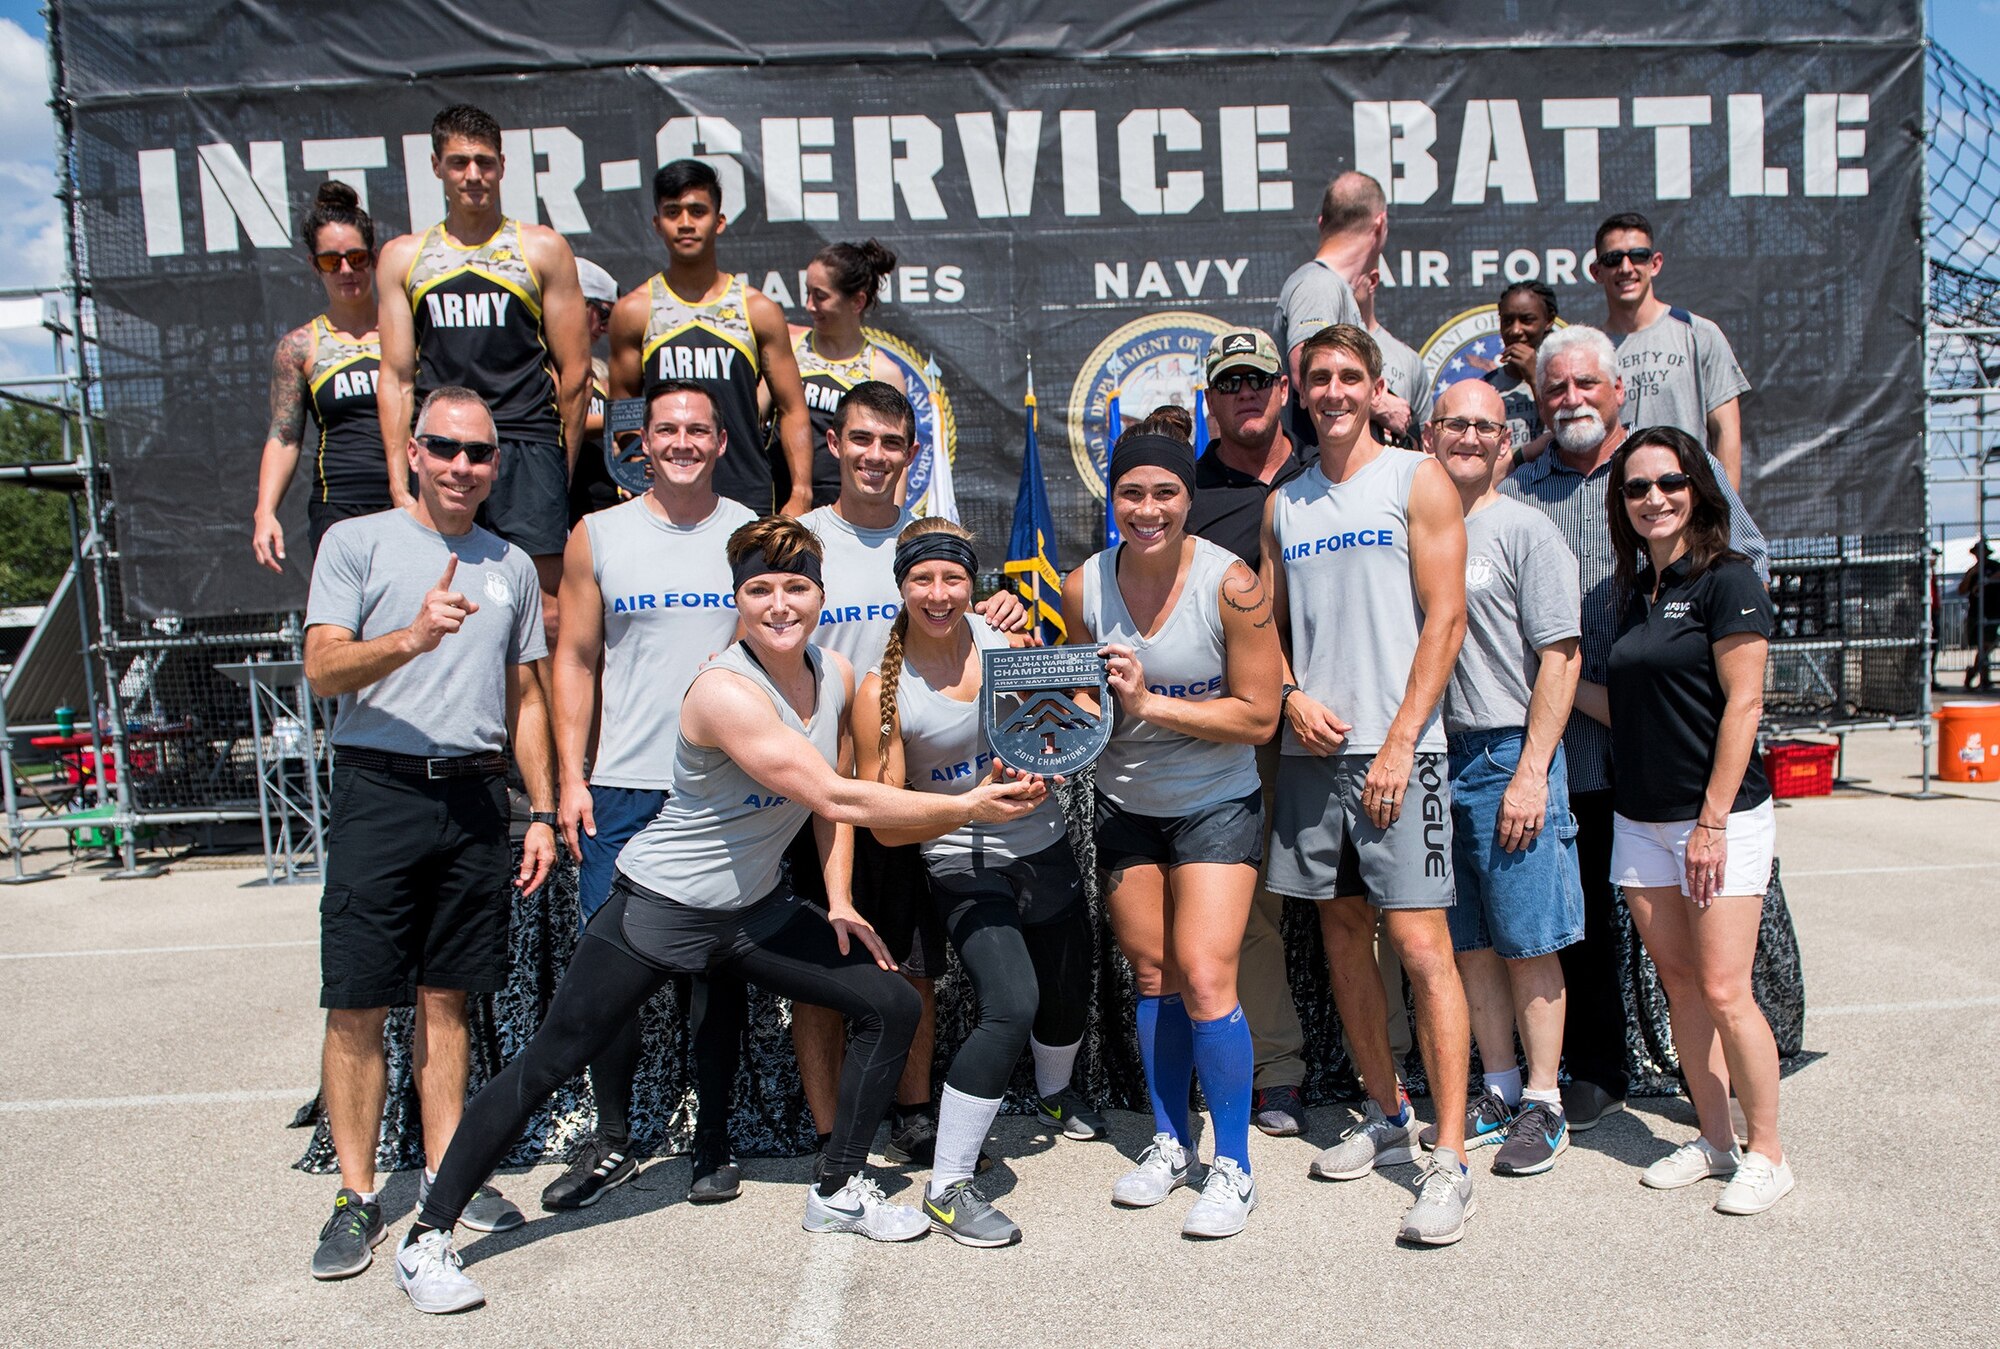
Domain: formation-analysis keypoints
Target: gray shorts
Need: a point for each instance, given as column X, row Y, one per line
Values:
column 1231, row 833
column 1324, row 846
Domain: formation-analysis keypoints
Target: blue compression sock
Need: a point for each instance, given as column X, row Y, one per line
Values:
column 1226, row 1060
column 1166, row 1051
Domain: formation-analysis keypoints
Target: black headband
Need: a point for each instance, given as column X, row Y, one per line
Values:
column 804, row 563
column 936, row 546
column 1154, row 451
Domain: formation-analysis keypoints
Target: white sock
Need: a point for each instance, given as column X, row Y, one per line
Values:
column 1550, row 1097
column 1508, row 1084
column 1053, row 1065
column 369, row 1197
column 430, row 1176
column 963, row 1123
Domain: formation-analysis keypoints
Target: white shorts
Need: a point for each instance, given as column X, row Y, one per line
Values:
column 1654, row 856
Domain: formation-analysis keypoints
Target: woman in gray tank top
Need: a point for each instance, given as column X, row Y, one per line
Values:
column 762, row 729
column 1009, row 895
column 1193, row 662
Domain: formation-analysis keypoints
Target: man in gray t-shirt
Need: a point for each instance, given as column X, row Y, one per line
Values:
column 1520, row 897
column 1353, row 225
column 424, row 626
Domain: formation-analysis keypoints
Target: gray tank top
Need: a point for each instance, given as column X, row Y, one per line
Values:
column 862, row 600
column 945, row 751
column 719, row 841
column 1354, row 612
column 1147, row 770
column 668, row 606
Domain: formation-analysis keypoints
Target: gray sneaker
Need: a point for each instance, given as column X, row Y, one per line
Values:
column 1444, row 1202
column 1538, row 1135
column 1373, row 1142
column 487, row 1211
column 964, row 1215
column 1162, row 1169
column 347, row 1243
column 1486, row 1120
column 1227, row 1199
column 860, row 1206
column 429, row 1270
column 1067, row 1112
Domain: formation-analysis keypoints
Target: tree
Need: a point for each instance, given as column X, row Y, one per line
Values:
column 34, row 525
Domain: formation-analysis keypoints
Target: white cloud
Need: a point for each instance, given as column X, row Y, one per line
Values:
column 31, row 232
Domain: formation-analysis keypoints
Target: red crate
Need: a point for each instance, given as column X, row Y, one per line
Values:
column 1800, row 767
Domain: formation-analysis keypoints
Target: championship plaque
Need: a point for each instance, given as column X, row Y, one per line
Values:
column 626, row 461
column 1029, row 702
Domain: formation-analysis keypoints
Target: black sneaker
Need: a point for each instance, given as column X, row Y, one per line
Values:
column 597, row 1167
column 1538, row 1135
column 1279, row 1111
column 717, row 1178
column 347, row 1243
column 913, row 1140
column 1585, row 1104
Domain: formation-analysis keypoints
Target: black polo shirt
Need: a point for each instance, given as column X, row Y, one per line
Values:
column 1666, row 702
column 1228, row 506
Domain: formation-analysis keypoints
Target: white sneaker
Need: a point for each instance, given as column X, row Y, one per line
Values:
column 429, row 1270
column 860, row 1206
column 1695, row 1160
column 1162, row 1169
column 1758, row 1183
column 1227, row 1200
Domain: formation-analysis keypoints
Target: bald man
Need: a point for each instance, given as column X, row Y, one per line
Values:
column 1520, row 895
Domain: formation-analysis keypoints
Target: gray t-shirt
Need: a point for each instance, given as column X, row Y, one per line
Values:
column 862, row 599
column 1524, row 418
column 1522, row 593
column 1313, row 297
column 371, row 577
column 1677, row 369
column 1404, row 375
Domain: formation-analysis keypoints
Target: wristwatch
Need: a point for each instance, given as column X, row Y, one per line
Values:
column 1285, row 692
column 547, row 817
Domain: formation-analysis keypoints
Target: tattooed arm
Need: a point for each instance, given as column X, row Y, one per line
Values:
column 281, row 444
column 1246, row 713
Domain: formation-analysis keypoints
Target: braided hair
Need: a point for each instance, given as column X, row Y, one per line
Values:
column 891, row 670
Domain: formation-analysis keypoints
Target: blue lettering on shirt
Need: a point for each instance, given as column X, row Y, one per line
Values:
column 953, row 772
column 1334, row 543
column 1200, row 688
column 756, row 802
column 859, row 613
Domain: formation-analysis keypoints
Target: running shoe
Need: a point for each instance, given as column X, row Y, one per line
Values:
column 430, row 1271
column 1444, row 1202
column 1693, row 1161
column 596, row 1168
column 964, row 1215
column 1066, row 1111
column 347, row 1243
column 1371, row 1143
column 1758, row 1183
column 860, row 1206
column 1538, row 1135
column 1486, row 1117
column 913, row 1140
column 1163, row 1168
column 1279, row 1111
column 1227, row 1199
column 487, row 1211
column 715, row 1178
column 1585, row 1104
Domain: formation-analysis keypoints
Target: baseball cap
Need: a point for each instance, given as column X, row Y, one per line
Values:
column 598, row 287
column 1251, row 348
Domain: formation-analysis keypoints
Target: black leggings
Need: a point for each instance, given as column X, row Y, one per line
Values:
column 718, row 1010
column 603, row 990
column 1025, row 977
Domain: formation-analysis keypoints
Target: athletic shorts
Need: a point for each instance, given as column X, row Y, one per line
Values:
column 418, row 888
column 892, row 890
column 1044, row 887
column 324, row 515
column 620, row 812
column 1518, row 904
column 1324, row 846
column 529, row 504
column 1231, row 833
column 1654, row 856
column 682, row 939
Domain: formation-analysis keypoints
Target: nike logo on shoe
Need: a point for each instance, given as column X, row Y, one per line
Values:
column 947, row 1216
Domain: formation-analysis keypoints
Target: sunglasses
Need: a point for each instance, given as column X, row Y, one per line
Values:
column 444, row 447
column 1458, row 426
column 357, row 260
column 1635, row 489
column 1238, row 380
column 1617, row 257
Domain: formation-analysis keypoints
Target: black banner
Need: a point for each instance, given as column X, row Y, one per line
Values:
column 1090, row 214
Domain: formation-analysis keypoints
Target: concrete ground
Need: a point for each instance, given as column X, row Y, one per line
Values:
column 160, row 1033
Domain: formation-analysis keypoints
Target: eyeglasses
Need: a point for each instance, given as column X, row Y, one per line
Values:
column 444, row 447
column 1635, row 489
column 600, row 308
column 1237, row 380
column 1617, row 256
column 1458, row 426
column 357, row 260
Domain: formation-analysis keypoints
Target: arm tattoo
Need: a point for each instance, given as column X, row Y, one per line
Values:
column 288, row 387
column 1245, row 594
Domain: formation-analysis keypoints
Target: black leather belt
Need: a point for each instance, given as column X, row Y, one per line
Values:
column 489, row 764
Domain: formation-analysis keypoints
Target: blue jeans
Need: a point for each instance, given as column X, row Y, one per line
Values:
column 1521, row 904
column 620, row 813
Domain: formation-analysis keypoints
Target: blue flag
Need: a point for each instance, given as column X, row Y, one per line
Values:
column 1031, row 553
column 1114, row 424
column 1200, row 421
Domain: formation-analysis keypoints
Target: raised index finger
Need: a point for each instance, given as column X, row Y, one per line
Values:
column 450, row 568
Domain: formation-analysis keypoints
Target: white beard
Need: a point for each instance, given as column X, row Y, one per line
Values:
column 1581, row 432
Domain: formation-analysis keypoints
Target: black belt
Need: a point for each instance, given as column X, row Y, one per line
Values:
column 486, row 765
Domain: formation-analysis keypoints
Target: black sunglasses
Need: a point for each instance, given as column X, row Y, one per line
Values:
column 444, row 447
column 1237, row 380
column 357, row 260
column 1616, row 257
column 1635, row 489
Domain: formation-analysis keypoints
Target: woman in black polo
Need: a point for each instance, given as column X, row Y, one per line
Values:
column 1694, row 836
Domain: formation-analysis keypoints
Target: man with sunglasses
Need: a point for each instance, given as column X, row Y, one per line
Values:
column 1678, row 368
column 422, row 624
